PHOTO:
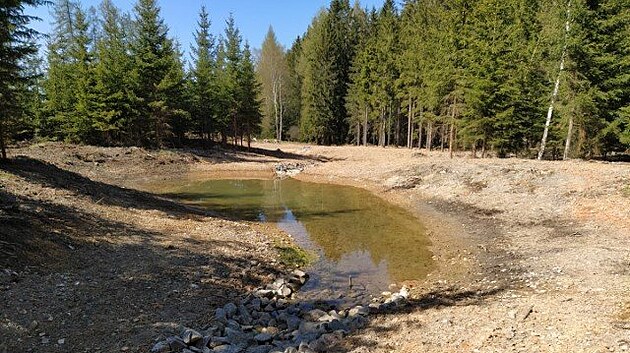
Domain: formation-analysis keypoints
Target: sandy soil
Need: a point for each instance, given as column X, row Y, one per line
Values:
column 534, row 255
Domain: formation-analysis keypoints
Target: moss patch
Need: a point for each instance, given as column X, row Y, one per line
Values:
column 293, row 256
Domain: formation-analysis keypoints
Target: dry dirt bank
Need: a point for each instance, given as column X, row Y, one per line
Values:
column 547, row 266
column 534, row 254
column 90, row 264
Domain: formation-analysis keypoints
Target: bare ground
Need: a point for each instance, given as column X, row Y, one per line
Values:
column 534, row 255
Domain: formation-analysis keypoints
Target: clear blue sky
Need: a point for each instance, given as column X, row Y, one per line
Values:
column 289, row 18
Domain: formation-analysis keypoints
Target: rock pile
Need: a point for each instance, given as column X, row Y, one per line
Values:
column 284, row 170
column 268, row 321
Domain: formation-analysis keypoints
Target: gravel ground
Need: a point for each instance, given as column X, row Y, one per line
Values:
column 534, row 255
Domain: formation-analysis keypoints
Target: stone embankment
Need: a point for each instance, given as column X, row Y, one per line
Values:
column 271, row 320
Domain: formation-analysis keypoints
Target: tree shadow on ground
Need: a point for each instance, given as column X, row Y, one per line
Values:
column 231, row 154
column 435, row 299
column 49, row 175
column 103, row 284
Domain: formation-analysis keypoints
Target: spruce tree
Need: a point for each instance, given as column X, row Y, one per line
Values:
column 158, row 78
column 204, row 82
column 231, row 61
column 113, row 87
column 16, row 46
column 249, row 114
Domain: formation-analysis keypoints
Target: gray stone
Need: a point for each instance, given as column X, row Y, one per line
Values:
column 306, row 307
column 315, row 314
column 278, row 282
column 291, row 350
column 375, row 308
column 284, row 291
column 255, row 304
column 263, row 337
column 161, row 347
column 176, row 343
column 230, row 309
column 233, row 324
column 293, row 322
column 301, row 276
column 337, row 325
column 226, row 348
column 191, row 337
column 304, row 348
column 218, row 341
column 326, row 318
column 237, row 337
column 259, row 349
column 246, row 318
column 265, row 293
column 326, row 341
column 220, row 315
column 358, row 310
column 311, row 327
column 357, row 323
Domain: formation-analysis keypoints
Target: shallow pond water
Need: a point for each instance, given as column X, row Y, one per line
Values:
column 353, row 232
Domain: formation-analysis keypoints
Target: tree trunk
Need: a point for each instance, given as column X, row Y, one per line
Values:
column 429, row 135
column 281, row 114
column 451, row 138
column 358, row 138
column 483, row 148
column 442, row 137
column 474, row 149
column 398, row 127
column 420, row 129
column 409, row 126
column 365, row 127
column 3, row 147
column 554, row 96
column 567, row 145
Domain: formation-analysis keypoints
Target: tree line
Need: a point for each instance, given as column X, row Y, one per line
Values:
column 113, row 78
column 481, row 75
column 511, row 77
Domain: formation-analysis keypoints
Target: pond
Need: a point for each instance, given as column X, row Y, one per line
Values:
column 352, row 232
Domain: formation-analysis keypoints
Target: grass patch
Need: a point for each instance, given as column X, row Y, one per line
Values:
column 293, row 256
column 625, row 191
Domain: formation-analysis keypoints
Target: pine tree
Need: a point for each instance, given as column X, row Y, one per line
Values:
column 113, row 87
column 293, row 92
column 158, row 78
column 231, row 60
column 16, row 46
column 59, row 86
column 327, row 54
column 249, row 113
column 203, row 74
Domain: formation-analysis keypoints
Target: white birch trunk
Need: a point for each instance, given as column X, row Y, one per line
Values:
column 543, row 143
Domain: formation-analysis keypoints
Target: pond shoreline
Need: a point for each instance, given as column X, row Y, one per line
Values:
column 534, row 257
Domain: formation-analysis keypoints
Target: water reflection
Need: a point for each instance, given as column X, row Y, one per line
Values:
column 355, row 233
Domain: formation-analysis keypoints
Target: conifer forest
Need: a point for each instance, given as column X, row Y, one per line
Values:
column 527, row 78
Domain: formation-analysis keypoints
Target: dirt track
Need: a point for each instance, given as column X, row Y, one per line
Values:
column 535, row 254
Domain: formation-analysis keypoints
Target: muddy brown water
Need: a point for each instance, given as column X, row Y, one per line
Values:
column 352, row 232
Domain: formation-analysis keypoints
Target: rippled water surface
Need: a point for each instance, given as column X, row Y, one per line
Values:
column 353, row 232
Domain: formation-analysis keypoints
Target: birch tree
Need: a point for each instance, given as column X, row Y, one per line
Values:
column 272, row 73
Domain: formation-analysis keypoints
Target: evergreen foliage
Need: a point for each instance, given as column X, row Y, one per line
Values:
column 17, row 48
column 462, row 74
